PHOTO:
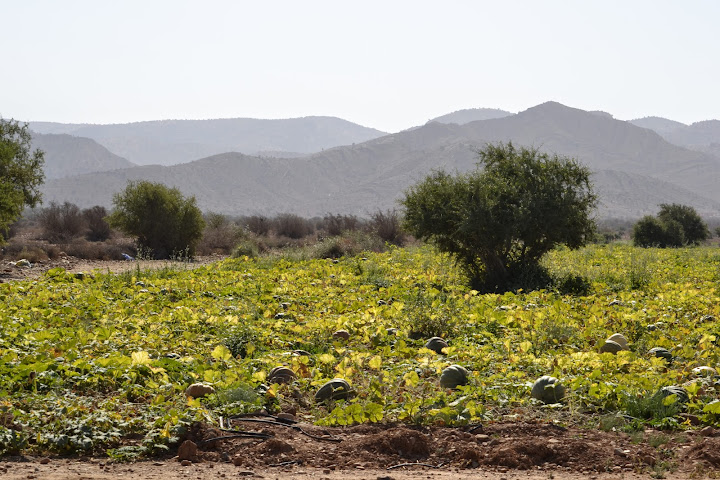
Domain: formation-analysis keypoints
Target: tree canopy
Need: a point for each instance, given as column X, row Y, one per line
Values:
column 676, row 225
column 163, row 221
column 21, row 172
column 500, row 219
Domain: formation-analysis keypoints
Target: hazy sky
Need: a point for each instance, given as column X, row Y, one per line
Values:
column 384, row 64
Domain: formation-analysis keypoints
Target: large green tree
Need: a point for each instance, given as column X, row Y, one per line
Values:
column 163, row 221
column 21, row 172
column 694, row 229
column 500, row 219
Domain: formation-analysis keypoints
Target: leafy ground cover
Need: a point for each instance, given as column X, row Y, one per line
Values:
column 99, row 363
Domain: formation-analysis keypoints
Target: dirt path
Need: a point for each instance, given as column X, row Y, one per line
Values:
column 11, row 271
column 73, row 469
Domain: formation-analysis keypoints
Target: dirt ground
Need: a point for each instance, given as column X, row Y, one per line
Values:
column 10, row 272
column 496, row 451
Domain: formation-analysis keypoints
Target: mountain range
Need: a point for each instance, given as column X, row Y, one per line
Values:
column 67, row 155
column 634, row 168
column 170, row 142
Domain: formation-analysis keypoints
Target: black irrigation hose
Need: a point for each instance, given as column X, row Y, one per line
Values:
column 400, row 465
column 258, row 414
column 284, row 464
column 294, row 427
column 259, row 436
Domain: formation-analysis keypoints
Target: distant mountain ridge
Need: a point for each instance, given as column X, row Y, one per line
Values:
column 66, row 156
column 702, row 136
column 170, row 142
column 634, row 168
column 461, row 117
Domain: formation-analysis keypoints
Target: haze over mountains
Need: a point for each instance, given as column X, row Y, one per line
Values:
column 66, row 155
column 634, row 168
column 169, row 142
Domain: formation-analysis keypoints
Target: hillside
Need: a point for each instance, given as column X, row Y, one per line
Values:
column 635, row 168
column 701, row 136
column 461, row 117
column 66, row 155
column 171, row 142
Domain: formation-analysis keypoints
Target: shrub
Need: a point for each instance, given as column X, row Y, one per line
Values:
column 246, row 248
column 694, row 229
column 165, row 223
column 98, row 230
column 220, row 235
column 258, row 224
column 335, row 225
column 388, row 226
column 498, row 221
column 650, row 231
column 346, row 245
column 292, row 226
column 61, row 223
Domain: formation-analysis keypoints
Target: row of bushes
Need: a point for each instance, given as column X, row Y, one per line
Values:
column 58, row 229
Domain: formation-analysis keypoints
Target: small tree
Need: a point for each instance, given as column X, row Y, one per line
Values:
column 163, row 221
column 98, row 230
column 675, row 226
column 21, row 173
column 498, row 222
column 61, row 223
column 694, row 229
column 650, row 231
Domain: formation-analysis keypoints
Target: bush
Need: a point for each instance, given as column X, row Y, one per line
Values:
column 292, row 226
column 220, row 235
column 98, row 230
column 388, row 226
column 675, row 226
column 246, row 248
column 164, row 222
column 346, row 245
column 61, row 223
column 258, row 224
column 498, row 221
column 335, row 225
column 694, row 230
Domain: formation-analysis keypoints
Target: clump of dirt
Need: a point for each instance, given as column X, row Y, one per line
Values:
column 401, row 442
column 519, row 446
column 705, row 452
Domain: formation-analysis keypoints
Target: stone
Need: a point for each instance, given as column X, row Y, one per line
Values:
column 198, row 390
column 188, row 451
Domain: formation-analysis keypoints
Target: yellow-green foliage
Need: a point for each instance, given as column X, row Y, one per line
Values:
column 86, row 362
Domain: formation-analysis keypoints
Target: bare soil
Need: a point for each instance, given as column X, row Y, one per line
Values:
column 495, row 451
column 9, row 271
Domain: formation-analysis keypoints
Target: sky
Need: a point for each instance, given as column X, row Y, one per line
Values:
column 389, row 64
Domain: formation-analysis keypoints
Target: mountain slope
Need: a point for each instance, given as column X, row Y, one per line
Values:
column 461, row 117
column 170, row 142
column 635, row 169
column 66, row 155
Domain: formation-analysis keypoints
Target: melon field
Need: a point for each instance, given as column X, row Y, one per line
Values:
column 99, row 363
